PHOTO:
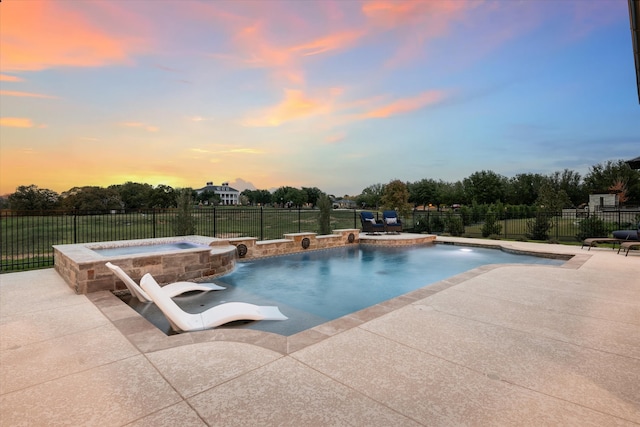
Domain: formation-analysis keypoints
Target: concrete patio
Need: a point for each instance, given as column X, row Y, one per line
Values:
column 499, row 345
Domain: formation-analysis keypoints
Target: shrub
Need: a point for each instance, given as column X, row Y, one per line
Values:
column 538, row 228
column 491, row 225
column 324, row 217
column 591, row 227
column 183, row 223
column 454, row 225
column 436, row 224
column 421, row 225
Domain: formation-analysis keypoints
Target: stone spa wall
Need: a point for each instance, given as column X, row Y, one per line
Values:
column 84, row 269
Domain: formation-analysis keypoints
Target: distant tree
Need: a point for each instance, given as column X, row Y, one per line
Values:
column 289, row 197
column 424, row 192
column 134, row 195
column 619, row 188
column 523, row 188
column 551, row 198
column 163, row 196
column 396, row 197
column 486, row 187
column 371, row 197
column 257, row 197
column 451, row 193
column 569, row 183
column 91, row 198
column 32, row 198
column 603, row 175
column 313, row 194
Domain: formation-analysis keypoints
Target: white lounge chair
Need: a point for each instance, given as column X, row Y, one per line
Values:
column 172, row 290
column 215, row 316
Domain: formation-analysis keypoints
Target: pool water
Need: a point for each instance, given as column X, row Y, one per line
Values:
column 312, row 288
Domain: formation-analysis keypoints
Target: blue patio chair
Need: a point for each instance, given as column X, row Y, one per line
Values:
column 369, row 223
column 392, row 223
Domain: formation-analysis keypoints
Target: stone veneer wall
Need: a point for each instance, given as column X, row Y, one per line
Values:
column 86, row 274
column 293, row 243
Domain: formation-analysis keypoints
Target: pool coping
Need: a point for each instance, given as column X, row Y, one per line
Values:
column 147, row 338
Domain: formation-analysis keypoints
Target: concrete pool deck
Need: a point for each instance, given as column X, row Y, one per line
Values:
column 506, row 345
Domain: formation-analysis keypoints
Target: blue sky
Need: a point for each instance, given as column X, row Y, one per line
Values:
column 331, row 94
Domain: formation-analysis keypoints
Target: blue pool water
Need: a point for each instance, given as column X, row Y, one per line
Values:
column 312, row 288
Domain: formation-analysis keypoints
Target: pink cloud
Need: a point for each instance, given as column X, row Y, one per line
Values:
column 64, row 37
column 407, row 105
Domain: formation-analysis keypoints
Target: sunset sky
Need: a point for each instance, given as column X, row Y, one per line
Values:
column 337, row 95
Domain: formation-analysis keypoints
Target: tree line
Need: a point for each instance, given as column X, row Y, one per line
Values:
column 561, row 189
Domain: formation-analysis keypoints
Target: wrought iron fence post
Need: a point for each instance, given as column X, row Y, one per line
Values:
column 75, row 228
column 261, row 223
column 506, row 233
column 215, row 222
column 299, row 220
column 153, row 218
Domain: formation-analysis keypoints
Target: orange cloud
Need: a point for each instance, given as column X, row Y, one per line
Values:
column 16, row 122
column 42, row 34
column 407, row 104
column 327, row 43
column 139, row 125
column 25, row 94
column 296, row 105
column 8, row 78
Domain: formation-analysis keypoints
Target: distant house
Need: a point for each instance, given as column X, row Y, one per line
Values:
column 600, row 202
column 228, row 195
column 344, row 204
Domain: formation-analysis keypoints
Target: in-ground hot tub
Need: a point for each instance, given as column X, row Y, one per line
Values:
column 168, row 259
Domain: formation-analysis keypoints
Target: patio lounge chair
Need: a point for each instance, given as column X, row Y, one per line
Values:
column 172, row 290
column 392, row 223
column 215, row 316
column 369, row 223
column 619, row 236
column 593, row 241
column 628, row 245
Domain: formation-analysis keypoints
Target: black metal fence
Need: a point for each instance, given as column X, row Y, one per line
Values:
column 27, row 237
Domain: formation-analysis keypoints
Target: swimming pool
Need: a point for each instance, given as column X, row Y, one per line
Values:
column 312, row 288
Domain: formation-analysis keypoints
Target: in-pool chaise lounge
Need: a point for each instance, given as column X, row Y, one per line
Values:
column 172, row 290
column 215, row 316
